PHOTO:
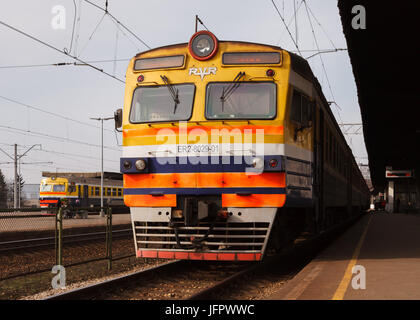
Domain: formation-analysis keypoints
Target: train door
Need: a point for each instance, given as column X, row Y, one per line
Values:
column 318, row 168
column 85, row 201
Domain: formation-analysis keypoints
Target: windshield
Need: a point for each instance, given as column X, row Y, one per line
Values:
column 154, row 104
column 59, row 188
column 249, row 100
column 45, row 188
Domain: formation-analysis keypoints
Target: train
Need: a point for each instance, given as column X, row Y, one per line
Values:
column 81, row 191
column 230, row 152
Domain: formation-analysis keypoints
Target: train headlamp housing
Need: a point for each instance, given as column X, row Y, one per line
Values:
column 140, row 165
column 127, row 164
column 203, row 45
column 258, row 163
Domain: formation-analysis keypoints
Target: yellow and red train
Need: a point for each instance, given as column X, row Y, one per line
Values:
column 230, row 149
column 80, row 192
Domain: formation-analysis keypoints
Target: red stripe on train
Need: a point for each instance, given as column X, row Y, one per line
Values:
column 188, row 255
column 48, row 201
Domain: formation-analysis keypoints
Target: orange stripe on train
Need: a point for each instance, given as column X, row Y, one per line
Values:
column 154, row 131
column 228, row 200
column 253, row 200
column 205, row 180
column 147, row 200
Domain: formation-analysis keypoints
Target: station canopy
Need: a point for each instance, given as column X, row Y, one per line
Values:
column 385, row 61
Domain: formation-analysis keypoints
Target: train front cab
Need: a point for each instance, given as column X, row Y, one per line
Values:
column 51, row 191
column 206, row 210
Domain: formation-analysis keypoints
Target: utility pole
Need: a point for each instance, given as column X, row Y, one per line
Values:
column 15, row 191
column 102, row 161
column 15, row 159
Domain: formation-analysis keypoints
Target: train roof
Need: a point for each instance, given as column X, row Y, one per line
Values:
column 86, row 175
column 298, row 64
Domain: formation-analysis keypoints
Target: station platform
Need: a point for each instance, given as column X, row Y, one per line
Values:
column 386, row 245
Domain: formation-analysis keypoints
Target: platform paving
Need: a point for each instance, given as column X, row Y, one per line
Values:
column 387, row 246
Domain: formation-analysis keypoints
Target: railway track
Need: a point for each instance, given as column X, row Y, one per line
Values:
column 92, row 291
column 36, row 243
column 199, row 280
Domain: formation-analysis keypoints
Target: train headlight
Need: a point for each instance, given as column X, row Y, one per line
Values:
column 140, row 165
column 127, row 164
column 273, row 163
column 258, row 163
column 203, row 45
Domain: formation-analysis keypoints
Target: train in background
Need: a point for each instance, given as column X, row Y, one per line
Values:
column 81, row 190
column 230, row 150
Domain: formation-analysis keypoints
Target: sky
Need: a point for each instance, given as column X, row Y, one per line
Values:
column 52, row 105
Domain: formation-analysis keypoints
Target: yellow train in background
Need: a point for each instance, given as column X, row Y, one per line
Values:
column 230, row 150
column 80, row 190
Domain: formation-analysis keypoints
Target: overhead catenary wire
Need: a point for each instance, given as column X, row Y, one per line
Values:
column 320, row 25
column 125, row 35
column 65, row 156
column 117, row 21
column 61, row 64
column 116, row 49
column 326, row 51
column 49, row 136
column 92, row 34
column 61, row 154
column 287, row 28
column 291, row 20
column 78, row 23
column 296, row 22
column 58, row 50
column 52, row 113
column 197, row 19
column 320, row 56
column 74, row 24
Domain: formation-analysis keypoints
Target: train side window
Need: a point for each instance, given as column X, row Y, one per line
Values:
column 296, row 111
column 96, row 191
column 305, row 111
column 103, row 191
column 301, row 109
column 114, row 192
column 108, row 191
column 119, row 192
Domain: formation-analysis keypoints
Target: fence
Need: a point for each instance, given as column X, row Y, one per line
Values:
column 32, row 241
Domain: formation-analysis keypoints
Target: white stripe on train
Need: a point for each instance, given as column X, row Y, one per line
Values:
column 191, row 150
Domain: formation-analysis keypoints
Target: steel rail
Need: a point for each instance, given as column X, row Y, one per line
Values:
column 311, row 245
column 87, row 237
column 90, row 291
column 301, row 248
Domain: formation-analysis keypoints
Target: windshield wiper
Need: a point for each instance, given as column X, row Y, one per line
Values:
column 227, row 91
column 172, row 91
